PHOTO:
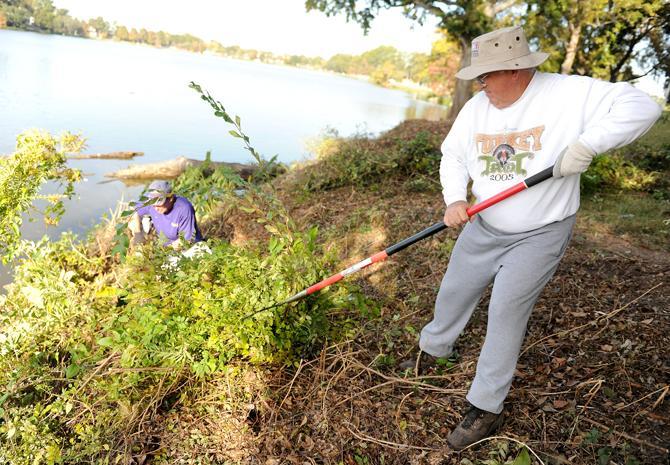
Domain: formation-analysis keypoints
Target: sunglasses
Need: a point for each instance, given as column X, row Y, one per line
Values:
column 481, row 80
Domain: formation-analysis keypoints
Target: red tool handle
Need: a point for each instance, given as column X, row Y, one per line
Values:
column 437, row 227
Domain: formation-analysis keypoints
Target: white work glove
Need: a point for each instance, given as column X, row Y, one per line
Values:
column 574, row 159
column 135, row 223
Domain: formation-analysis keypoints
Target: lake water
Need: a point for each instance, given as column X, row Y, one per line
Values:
column 121, row 96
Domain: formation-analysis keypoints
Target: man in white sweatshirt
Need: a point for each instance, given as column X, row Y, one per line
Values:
column 523, row 122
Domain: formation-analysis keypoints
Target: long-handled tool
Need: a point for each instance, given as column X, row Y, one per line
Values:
column 437, row 227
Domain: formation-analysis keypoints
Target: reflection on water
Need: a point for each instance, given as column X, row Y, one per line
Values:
column 422, row 110
column 125, row 97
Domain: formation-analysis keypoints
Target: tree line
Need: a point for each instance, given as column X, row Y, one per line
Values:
column 43, row 16
column 615, row 40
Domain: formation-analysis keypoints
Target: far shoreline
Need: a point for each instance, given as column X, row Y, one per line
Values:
column 418, row 94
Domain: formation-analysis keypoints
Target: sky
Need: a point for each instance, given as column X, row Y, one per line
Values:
column 278, row 26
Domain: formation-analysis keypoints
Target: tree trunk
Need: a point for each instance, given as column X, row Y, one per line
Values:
column 463, row 89
column 172, row 168
column 571, row 49
column 107, row 156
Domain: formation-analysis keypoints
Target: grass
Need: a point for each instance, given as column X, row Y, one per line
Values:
column 639, row 217
column 634, row 216
column 659, row 134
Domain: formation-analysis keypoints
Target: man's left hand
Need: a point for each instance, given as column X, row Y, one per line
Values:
column 574, row 159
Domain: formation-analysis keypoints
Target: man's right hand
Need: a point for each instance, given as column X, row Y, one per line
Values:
column 135, row 223
column 456, row 214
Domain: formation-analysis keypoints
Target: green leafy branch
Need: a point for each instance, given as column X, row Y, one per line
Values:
column 266, row 168
column 39, row 157
column 207, row 186
column 269, row 210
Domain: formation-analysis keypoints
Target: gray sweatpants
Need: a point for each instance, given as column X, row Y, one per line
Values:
column 519, row 265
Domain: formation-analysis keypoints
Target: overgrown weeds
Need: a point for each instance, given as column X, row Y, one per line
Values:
column 361, row 162
column 93, row 350
column 638, row 167
column 90, row 357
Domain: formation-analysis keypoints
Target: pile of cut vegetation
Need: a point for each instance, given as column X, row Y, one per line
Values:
column 98, row 342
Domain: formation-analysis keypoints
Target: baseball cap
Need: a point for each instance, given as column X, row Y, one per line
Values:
column 160, row 190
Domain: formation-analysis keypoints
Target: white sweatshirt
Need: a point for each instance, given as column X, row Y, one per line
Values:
column 498, row 148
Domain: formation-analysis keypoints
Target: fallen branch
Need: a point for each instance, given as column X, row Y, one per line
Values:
column 627, row 436
column 393, row 445
column 491, row 438
column 395, row 379
column 172, row 168
column 665, row 390
column 101, row 364
column 290, row 386
column 390, row 380
column 577, row 328
column 106, row 156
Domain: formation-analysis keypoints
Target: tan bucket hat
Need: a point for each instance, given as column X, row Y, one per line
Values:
column 505, row 48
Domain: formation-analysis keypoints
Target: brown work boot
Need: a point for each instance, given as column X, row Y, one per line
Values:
column 419, row 363
column 476, row 425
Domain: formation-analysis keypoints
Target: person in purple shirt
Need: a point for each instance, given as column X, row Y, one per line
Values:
column 171, row 216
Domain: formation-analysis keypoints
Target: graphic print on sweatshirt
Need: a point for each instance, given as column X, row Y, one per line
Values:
column 504, row 154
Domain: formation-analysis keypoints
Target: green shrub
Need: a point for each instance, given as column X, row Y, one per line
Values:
column 421, row 184
column 206, row 186
column 39, row 157
column 362, row 162
column 420, row 155
column 91, row 350
column 652, row 158
column 87, row 362
column 613, row 170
